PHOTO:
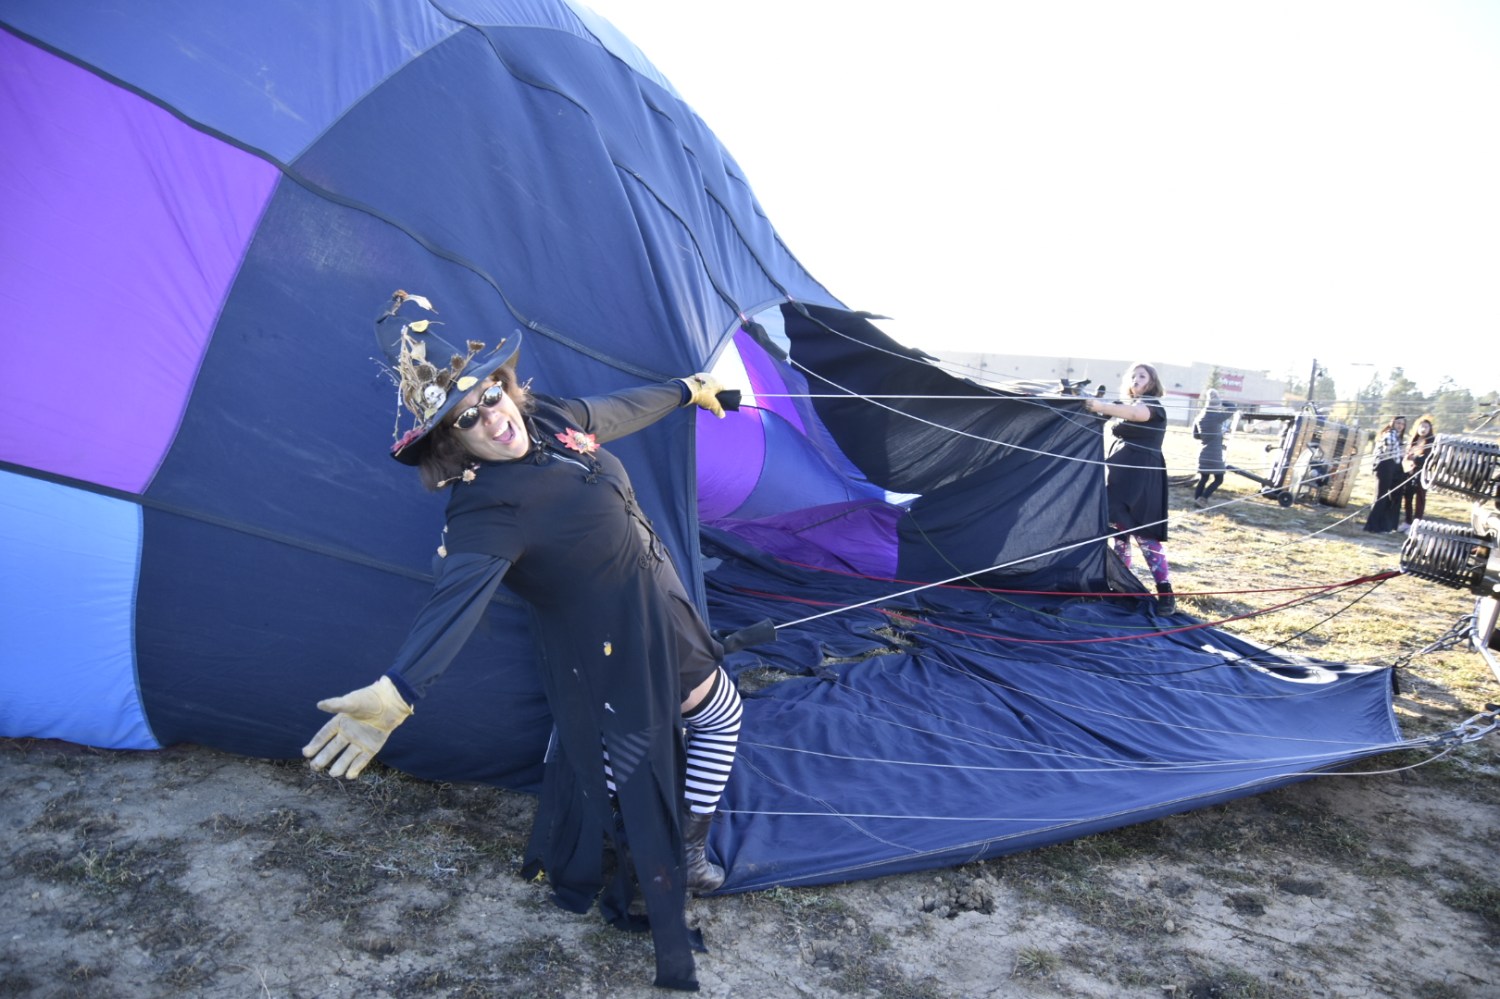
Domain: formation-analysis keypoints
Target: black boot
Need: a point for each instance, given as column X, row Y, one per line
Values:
column 1166, row 602
column 702, row 875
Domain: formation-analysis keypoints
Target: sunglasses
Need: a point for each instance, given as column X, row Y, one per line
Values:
column 470, row 416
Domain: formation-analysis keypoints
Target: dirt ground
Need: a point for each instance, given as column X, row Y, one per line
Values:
column 189, row 872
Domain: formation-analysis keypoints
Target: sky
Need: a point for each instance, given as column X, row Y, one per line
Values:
column 1254, row 184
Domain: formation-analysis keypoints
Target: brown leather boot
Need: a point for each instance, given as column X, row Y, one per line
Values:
column 702, row 875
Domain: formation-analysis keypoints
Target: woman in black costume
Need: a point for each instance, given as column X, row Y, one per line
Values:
column 1385, row 512
column 1136, row 479
column 627, row 664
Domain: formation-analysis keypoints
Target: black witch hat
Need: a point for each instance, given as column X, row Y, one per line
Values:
column 431, row 375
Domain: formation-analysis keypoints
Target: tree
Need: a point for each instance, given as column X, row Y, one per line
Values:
column 1402, row 396
column 1451, row 406
column 1326, row 391
column 1367, row 402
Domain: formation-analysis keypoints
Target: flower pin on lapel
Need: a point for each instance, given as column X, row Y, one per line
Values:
column 577, row 440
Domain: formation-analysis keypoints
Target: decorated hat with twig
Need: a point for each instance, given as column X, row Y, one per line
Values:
column 431, row 375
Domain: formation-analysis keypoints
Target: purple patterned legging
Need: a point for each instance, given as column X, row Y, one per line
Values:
column 1156, row 556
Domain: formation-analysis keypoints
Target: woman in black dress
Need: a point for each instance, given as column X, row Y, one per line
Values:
column 1136, row 479
column 1385, row 513
column 647, row 721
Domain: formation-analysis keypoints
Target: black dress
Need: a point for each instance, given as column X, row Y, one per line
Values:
column 1136, row 481
column 620, row 644
column 1385, row 513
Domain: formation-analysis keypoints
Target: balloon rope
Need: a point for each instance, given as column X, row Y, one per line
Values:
column 977, row 572
column 1085, row 593
column 849, row 394
column 853, row 395
column 1321, row 589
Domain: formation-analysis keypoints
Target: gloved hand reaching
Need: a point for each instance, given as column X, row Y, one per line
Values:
column 705, row 389
column 362, row 721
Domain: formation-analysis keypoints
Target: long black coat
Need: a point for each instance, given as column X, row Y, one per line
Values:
column 1136, row 480
column 619, row 641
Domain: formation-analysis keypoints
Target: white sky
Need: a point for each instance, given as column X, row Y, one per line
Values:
column 1246, row 183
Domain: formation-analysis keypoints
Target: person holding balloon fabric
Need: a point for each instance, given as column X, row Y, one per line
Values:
column 647, row 720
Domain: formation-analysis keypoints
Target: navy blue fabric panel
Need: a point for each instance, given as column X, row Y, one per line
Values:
column 238, row 659
column 618, row 45
column 657, row 140
column 1002, row 742
column 303, row 551
column 545, row 14
column 1002, row 479
column 290, row 423
column 513, row 181
column 746, row 586
column 1046, row 500
column 216, row 63
column 965, row 724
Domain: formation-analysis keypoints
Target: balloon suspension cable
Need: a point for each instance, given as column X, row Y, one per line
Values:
column 765, row 631
column 879, row 400
column 961, row 576
column 856, row 395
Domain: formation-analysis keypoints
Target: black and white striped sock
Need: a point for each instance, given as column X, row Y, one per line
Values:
column 713, row 734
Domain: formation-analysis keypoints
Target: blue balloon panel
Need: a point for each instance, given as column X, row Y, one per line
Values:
column 67, row 616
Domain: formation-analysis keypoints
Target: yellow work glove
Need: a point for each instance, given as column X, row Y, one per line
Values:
column 362, row 720
column 705, row 389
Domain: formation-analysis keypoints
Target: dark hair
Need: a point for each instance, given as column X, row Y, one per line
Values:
column 1153, row 388
column 1391, row 423
column 445, row 457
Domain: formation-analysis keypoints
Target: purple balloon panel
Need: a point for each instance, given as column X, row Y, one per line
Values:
column 124, row 230
column 766, row 377
column 856, row 537
column 731, row 457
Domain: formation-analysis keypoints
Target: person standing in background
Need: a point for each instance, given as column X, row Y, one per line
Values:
column 1209, row 430
column 1418, row 449
column 1136, row 478
column 1385, row 512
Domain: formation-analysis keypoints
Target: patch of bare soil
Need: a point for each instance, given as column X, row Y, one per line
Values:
column 189, row 872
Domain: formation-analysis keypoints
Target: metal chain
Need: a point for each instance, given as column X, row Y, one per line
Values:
column 1455, row 636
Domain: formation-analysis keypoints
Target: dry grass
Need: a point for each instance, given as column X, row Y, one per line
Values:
column 1246, row 541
